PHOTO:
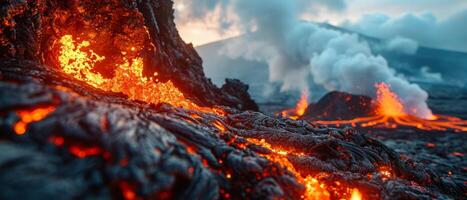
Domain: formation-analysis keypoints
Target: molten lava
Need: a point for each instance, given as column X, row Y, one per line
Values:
column 128, row 78
column 388, row 102
column 389, row 113
column 300, row 108
column 356, row 195
column 314, row 189
column 30, row 115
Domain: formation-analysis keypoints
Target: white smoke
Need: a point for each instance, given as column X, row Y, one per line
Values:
column 294, row 50
column 402, row 45
column 426, row 29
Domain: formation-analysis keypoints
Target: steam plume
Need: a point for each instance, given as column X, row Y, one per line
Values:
column 295, row 49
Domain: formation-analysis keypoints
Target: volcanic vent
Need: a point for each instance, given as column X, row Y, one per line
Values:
column 386, row 111
column 102, row 99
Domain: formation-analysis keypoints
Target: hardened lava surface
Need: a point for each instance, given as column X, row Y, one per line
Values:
column 95, row 144
column 61, row 138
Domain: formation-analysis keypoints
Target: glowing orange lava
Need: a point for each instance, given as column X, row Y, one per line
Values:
column 83, row 152
column 389, row 113
column 300, row 108
column 128, row 78
column 315, row 190
column 29, row 116
column 356, row 195
column 388, row 102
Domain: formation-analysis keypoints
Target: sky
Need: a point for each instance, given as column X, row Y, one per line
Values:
column 198, row 20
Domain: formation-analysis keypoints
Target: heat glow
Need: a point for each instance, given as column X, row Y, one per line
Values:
column 390, row 113
column 300, row 107
column 128, row 78
column 28, row 116
column 314, row 189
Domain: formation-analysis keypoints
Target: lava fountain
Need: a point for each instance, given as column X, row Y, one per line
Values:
column 389, row 113
column 300, row 107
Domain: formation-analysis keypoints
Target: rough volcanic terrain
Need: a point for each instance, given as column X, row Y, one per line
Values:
column 63, row 138
column 442, row 151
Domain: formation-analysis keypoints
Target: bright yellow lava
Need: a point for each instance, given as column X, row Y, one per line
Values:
column 128, row 78
column 388, row 102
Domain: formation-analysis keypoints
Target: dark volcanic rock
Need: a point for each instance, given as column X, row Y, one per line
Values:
column 30, row 30
column 100, row 145
column 239, row 90
column 93, row 144
column 339, row 106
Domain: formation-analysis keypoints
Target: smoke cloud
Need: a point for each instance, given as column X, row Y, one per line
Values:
column 402, row 45
column 426, row 29
column 296, row 50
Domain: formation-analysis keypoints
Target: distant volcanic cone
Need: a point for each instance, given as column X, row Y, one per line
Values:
column 339, row 106
column 386, row 111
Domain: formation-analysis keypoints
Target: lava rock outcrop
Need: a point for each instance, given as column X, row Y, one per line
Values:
column 98, row 144
column 118, row 29
column 62, row 138
column 339, row 106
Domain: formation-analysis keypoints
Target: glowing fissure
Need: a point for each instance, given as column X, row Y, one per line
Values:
column 314, row 189
column 128, row 78
column 389, row 113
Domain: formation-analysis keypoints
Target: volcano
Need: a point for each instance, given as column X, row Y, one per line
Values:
column 386, row 111
column 339, row 106
column 103, row 100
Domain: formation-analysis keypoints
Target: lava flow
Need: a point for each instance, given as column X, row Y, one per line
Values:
column 389, row 113
column 314, row 189
column 300, row 108
column 128, row 78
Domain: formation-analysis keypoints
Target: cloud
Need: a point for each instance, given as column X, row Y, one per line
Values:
column 426, row 29
column 402, row 45
column 200, row 10
column 295, row 50
column 426, row 74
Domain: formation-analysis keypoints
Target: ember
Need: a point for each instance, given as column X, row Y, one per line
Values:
column 128, row 78
column 128, row 192
column 28, row 116
column 389, row 113
column 82, row 152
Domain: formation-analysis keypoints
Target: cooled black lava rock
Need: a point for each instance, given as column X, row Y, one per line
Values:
column 30, row 30
column 111, row 145
column 340, row 106
column 101, row 145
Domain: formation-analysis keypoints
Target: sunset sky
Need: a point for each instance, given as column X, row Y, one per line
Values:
column 200, row 25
